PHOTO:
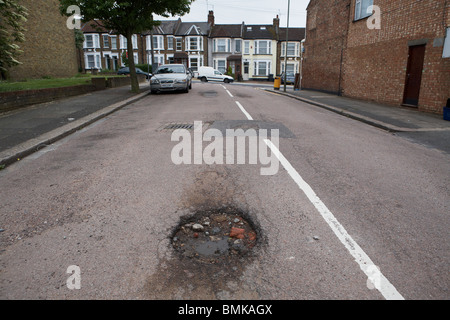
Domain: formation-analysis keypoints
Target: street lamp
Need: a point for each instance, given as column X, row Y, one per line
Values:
column 286, row 46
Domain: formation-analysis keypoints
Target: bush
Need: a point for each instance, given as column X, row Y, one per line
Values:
column 144, row 67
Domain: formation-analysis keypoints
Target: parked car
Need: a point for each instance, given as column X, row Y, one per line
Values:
column 171, row 77
column 210, row 74
column 290, row 78
column 126, row 71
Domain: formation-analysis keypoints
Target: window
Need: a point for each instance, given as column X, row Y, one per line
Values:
column 193, row 62
column 123, row 42
column 246, row 47
column 134, row 41
column 93, row 61
column 293, row 49
column 169, row 43
column 179, row 42
column 238, row 45
column 158, row 43
column 220, row 65
column 263, row 47
column 158, row 59
column 446, row 50
column 92, row 41
column 262, row 68
column 195, row 43
column 170, row 58
column 222, row 45
column 105, row 41
column 114, row 42
column 361, row 7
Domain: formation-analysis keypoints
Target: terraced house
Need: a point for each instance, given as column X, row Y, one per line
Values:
column 251, row 52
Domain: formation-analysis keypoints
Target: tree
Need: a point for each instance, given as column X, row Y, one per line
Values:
column 127, row 17
column 12, row 18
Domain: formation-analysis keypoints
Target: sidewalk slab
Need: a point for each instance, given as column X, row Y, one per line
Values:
column 29, row 129
column 390, row 118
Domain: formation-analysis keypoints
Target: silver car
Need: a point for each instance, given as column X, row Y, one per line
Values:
column 171, row 77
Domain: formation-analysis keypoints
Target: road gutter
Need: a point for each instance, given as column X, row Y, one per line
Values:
column 352, row 115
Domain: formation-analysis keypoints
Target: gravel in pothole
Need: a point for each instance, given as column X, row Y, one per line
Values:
column 214, row 237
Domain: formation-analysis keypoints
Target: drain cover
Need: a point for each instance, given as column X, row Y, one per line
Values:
column 215, row 236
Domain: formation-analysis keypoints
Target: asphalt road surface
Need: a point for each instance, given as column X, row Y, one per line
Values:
column 347, row 211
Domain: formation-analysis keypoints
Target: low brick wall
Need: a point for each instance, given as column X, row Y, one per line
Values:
column 16, row 99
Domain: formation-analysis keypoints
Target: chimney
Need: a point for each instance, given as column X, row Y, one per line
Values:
column 276, row 23
column 211, row 18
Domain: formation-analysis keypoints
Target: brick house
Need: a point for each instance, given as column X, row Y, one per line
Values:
column 401, row 63
column 103, row 49
column 293, row 39
column 49, row 46
column 225, row 47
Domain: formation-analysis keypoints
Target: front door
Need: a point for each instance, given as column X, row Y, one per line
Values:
column 246, row 70
column 414, row 75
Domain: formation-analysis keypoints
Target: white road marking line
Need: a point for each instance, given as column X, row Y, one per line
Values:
column 249, row 117
column 224, row 87
column 378, row 280
column 229, row 93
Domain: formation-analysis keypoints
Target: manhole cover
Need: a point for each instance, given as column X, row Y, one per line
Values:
column 209, row 94
column 215, row 236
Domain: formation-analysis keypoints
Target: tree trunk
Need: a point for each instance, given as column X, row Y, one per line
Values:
column 131, row 65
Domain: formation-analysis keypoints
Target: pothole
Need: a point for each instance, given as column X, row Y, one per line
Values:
column 215, row 236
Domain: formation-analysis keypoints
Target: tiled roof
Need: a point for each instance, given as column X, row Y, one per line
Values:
column 260, row 32
column 226, row 31
column 93, row 26
column 191, row 28
column 295, row 34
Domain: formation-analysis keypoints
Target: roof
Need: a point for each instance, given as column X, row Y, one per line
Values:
column 94, row 26
column 193, row 28
column 226, row 31
column 295, row 34
column 167, row 27
column 260, row 32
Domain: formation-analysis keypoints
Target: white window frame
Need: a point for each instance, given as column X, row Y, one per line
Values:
column 97, row 60
column 256, row 67
column 216, row 65
column 236, row 41
column 246, row 47
column 199, row 46
column 105, row 43
column 123, row 42
column 158, row 42
column 170, row 42
column 258, row 46
column 113, row 42
column 361, row 7
column 222, row 42
column 159, row 59
column 296, row 49
column 134, row 41
column 95, row 41
column 178, row 41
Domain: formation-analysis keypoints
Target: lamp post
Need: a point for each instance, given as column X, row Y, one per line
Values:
column 286, row 46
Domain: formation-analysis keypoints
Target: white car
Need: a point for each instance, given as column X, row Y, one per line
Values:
column 210, row 74
column 171, row 77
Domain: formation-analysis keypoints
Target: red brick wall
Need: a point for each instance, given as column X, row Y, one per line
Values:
column 376, row 60
column 325, row 38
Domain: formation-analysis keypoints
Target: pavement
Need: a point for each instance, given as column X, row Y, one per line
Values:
column 29, row 129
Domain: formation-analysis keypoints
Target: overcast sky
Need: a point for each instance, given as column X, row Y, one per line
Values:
column 250, row 11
